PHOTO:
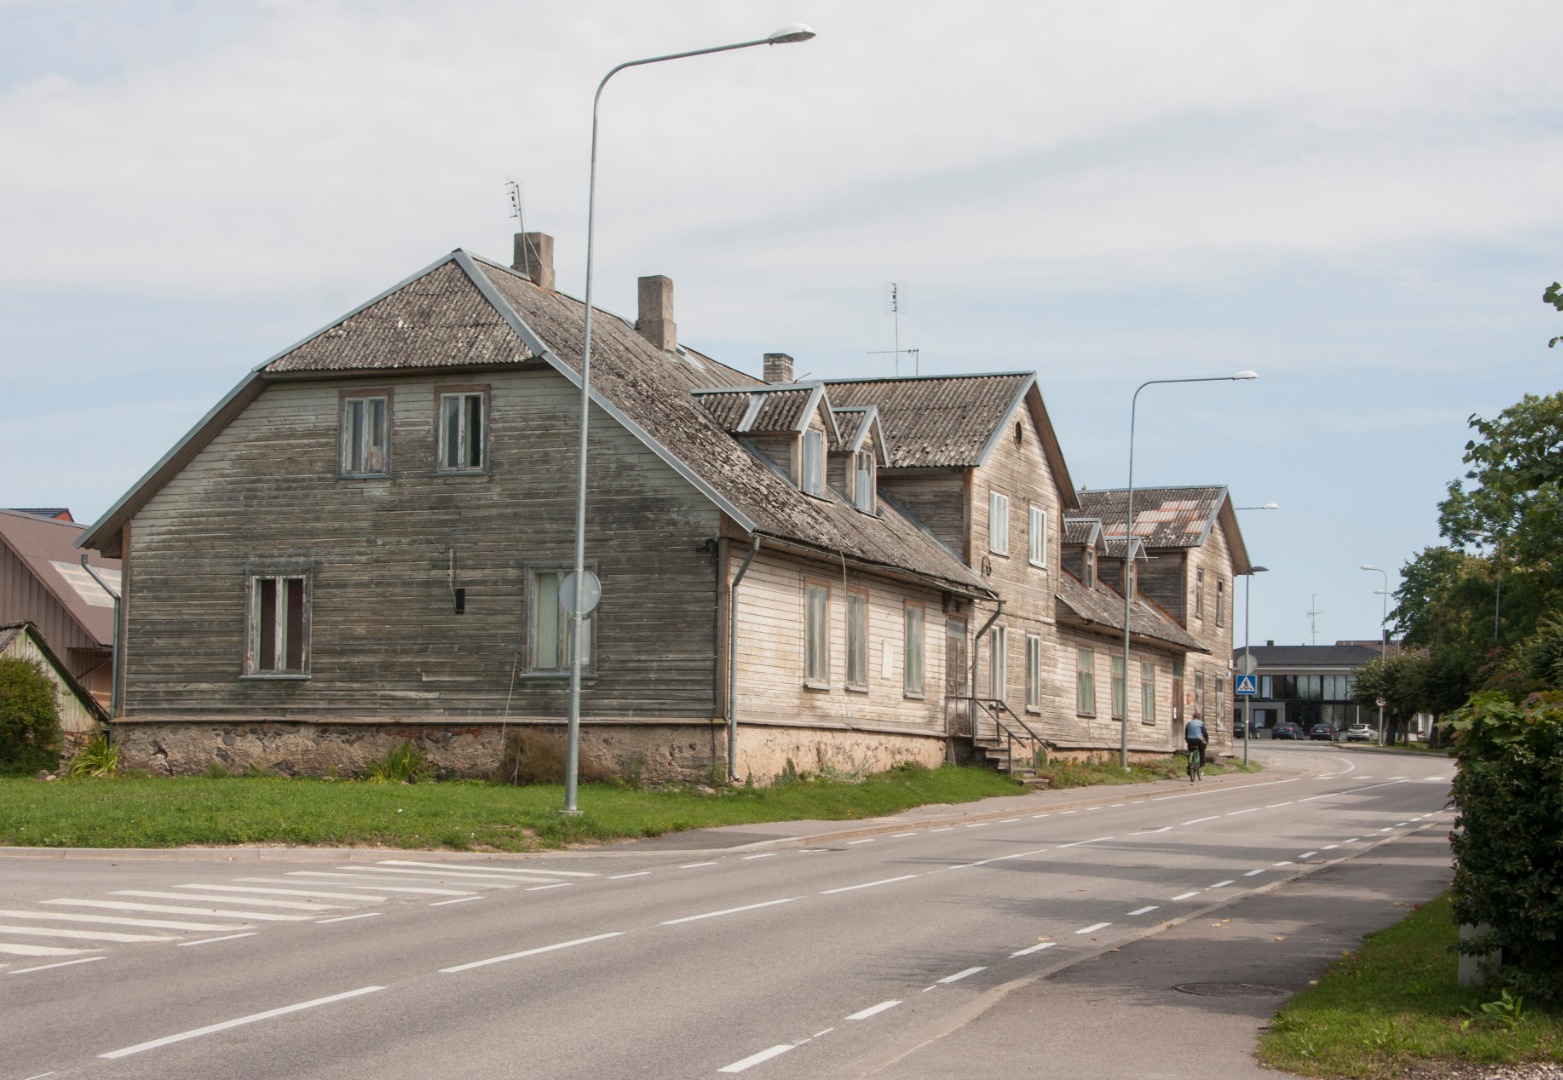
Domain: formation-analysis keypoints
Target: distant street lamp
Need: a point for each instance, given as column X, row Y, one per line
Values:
column 1266, row 506
column 1248, row 660
column 785, row 36
column 1128, row 542
column 1383, row 641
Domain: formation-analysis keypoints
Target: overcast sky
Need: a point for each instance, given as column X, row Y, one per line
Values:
column 1359, row 200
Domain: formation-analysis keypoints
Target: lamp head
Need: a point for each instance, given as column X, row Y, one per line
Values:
column 1244, row 376
column 1369, row 566
column 1271, row 506
column 1258, row 569
column 788, row 34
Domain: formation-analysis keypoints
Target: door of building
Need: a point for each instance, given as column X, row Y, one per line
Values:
column 957, row 691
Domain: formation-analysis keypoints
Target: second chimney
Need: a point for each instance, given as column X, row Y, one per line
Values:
column 778, row 367
column 535, row 258
column 655, row 317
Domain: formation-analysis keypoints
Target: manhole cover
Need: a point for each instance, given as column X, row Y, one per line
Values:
column 1229, row 990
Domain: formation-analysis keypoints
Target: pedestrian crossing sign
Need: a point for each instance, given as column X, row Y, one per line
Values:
column 1247, row 685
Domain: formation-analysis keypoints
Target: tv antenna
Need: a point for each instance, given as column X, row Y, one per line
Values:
column 1313, row 618
column 517, row 204
column 893, row 291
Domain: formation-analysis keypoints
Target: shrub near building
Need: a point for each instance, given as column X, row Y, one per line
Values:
column 29, row 717
column 1508, row 838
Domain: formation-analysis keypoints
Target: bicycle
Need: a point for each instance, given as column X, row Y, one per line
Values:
column 1196, row 767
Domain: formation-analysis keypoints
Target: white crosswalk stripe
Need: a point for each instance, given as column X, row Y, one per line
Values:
column 79, row 935
column 113, row 920
column 11, row 948
column 170, row 909
column 295, row 905
column 283, row 892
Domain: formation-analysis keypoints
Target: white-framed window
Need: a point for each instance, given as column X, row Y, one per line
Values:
column 863, row 481
column 857, row 640
column 814, row 462
column 1034, row 671
column 1037, row 537
column 998, row 663
column 1199, row 695
column 998, row 523
column 816, row 645
column 277, row 635
column 463, row 436
column 1221, row 700
column 1090, row 568
column 549, row 625
column 1221, row 601
column 365, row 435
column 1085, row 682
column 1147, row 692
column 1199, row 593
column 1120, row 691
column 912, row 658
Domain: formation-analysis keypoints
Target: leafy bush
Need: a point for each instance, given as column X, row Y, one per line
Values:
column 1508, row 839
column 532, row 756
column 30, row 736
column 98, row 757
column 401, row 765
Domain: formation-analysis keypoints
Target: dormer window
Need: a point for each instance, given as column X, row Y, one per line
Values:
column 1090, row 568
column 813, row 479
column 863, row 482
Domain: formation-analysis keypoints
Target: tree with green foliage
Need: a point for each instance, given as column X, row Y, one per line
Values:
column 30, row 736
column 1404, row 680
column 1554, row 296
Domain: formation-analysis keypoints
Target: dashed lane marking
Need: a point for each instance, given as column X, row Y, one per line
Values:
column 869, row 884
column 50, row 967
column 530, row 952
column 875, row 1010
column 226, row 1024
column 1033, row 949
column 214, row 940
column 959, row 975
column 1094, row 927
column 1255, row 873
column 1146, row 910
column 755, row 1059
column 728, row 911
column 1185, row 896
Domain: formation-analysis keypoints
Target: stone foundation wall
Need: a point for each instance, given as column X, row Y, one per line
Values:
column 656, row 753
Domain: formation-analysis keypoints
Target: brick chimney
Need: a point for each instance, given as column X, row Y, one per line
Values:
column 655, row 317
column 535, row 258
column 778, row 367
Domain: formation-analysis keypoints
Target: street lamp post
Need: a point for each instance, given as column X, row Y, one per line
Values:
column 1128, row 544
column 1383, row 642
column 1248, row 660
column 785, row 36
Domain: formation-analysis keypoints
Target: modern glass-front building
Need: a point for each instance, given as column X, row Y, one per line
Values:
column 1306, row 685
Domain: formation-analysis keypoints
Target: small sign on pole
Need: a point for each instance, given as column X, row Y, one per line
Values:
column 1247, row 686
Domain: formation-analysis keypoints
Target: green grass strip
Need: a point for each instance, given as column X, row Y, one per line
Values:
column 1396, row 1002
column 166, row 812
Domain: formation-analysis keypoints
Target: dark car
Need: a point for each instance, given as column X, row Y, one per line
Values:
column 1287, row 730
column 1322, row 731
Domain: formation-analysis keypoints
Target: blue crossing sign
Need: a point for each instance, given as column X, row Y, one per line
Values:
column 1247, row 685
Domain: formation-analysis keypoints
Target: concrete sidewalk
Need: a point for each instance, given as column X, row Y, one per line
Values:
column 1120, row 1015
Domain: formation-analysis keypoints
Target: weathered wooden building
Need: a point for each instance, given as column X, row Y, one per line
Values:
column 1189, row 550
column 81, row 715
column 364, row 542
column 43, row 583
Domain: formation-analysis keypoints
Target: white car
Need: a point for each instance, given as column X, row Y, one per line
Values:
column 1360, row 733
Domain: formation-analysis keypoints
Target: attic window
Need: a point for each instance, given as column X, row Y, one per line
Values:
column 813, row 479
column 1020, row 432
column 863, row 482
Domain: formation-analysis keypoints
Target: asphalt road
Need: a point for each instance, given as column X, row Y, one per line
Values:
column 790, row 957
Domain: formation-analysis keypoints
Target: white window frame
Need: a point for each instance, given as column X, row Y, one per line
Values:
column 863, row 481
column 1199, row 593
column 1221, row 601
column 813, row 462
column 1037, row 539
column 998, row 523
column 816, row 638
column 460, row 448
column 998, row 663
column 1120, row 688
column 1033, row 672
column 915, row 619
column 276, row 644
column 359, row 452
column 549, row 625
column 1085, row 682
column 857, row 639
column 1147, row 692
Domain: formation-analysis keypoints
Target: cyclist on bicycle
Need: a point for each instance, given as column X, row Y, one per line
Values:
column 1194, row 735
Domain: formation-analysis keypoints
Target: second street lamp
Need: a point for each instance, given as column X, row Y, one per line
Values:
column 1383, row 642
column 1128, row 543
column 785, row 36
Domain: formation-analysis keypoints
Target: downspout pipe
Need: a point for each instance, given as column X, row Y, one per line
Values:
column 976, row 651
column 732, row 662
column 114, row 674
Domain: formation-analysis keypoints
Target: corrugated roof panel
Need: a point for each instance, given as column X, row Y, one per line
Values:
column 934, row 421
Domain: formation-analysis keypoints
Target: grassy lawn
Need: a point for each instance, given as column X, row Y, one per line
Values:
column 159, row 812
column 1397, row 1003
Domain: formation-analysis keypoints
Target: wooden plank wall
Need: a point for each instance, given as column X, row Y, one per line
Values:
column 385, row 640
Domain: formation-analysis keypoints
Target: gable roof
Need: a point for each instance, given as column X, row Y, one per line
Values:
column 954, row 421
column 1169, row 517
column 11, row 632
column 47, row 548
column 467, row 312
column 1082, row 532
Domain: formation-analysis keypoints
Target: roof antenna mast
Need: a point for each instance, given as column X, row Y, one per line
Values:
column 517, row 204
column 893, row 291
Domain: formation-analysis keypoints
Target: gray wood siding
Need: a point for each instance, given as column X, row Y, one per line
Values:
column 936, row 498
column 771, row 629
column 384, row 639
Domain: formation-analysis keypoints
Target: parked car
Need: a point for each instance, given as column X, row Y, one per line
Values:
column 1360, row 733
column 1287, row 730
column 1322, row 731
